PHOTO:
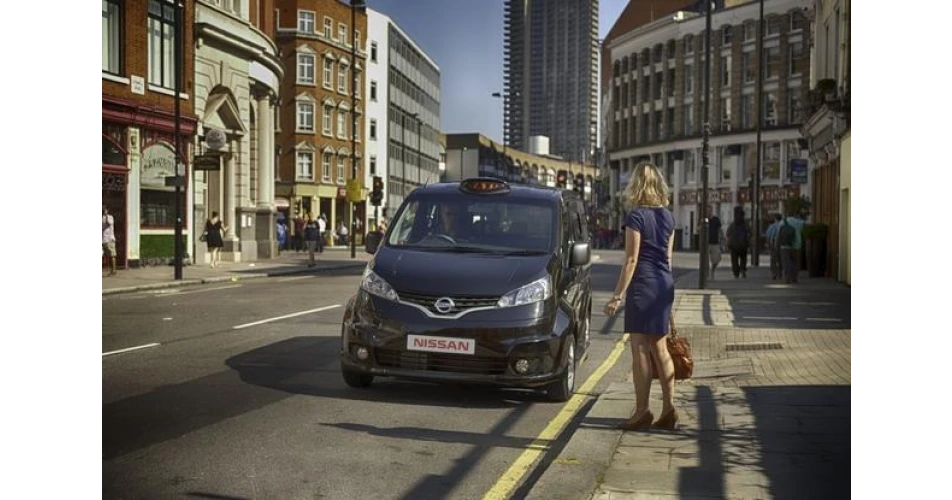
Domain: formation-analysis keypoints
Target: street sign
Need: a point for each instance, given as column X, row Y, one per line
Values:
column 174, row 180
column 798, row 171
column 206, row 162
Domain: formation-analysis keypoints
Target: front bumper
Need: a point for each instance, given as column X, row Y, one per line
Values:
column 501, row 338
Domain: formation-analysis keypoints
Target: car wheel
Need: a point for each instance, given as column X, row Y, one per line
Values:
column 355, row 379
column 561, row 390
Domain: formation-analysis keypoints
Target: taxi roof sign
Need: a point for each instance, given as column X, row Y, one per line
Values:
column 484, row 185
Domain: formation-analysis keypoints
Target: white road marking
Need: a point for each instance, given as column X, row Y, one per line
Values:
column 129, row 349
column 203, row 290
column 757, row 301
column 771, row 318
column 283, row 280
column 813, row 303
column 278, row 318
column 825, row 319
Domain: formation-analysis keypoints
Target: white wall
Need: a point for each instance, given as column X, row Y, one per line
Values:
column 377, row 28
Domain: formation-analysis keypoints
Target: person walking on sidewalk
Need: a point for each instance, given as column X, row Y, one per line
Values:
column 715, row 241
column 321, row 228
column 648, row 285
column 791, row 241
column 312, row 234
column 738, row 242
column 214, row 238
column 109, row 239
column 774, row 245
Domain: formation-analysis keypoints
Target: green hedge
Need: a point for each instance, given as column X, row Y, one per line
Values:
column 156, row 246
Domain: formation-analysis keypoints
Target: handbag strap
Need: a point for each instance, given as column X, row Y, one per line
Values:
column 672, row 330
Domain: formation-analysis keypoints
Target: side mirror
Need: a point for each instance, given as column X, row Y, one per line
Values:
column 581, row 254
column 372, row 241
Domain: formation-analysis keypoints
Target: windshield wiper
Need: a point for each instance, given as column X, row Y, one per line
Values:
column 523, row 252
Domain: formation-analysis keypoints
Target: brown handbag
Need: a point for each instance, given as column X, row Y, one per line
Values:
column 680, row 351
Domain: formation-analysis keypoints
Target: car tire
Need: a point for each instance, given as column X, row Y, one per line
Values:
column 357, row 380
column 563, row 388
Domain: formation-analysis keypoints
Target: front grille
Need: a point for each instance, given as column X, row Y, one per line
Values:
column 460, row 303
column 441, row 362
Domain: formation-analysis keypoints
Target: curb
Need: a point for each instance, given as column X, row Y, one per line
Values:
column 220, row 279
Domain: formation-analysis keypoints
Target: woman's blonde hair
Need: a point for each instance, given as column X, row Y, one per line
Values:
column 647, row 187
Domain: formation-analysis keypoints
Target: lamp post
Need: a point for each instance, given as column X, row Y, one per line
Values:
column 705, row 149
column 419, row 146
column 755, row 194
column 354, row 5
column 505, row 123
column 179, row 157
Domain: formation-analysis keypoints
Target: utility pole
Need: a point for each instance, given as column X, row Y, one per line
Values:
column 354, row 4
column 179, row 157
column 705, row 150
column 755, row 195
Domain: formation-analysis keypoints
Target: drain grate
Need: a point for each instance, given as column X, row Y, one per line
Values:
column 753, row 346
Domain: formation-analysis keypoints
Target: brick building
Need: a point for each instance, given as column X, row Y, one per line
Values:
column 317, row 143
column 655, row 107
column 138, row 122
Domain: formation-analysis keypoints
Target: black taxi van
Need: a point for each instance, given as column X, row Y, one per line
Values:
column 476, row 281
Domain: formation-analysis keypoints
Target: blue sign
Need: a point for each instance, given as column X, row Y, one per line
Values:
column 798, row 171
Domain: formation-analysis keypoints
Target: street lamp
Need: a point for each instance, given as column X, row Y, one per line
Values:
column 505, row 123
column 705, row 149
column 354, row 5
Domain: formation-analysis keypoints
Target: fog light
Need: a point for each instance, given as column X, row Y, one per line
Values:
column 521, row 365
column 362, row 353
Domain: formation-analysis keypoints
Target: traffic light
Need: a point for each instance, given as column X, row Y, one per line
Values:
column 376, row 195
column 561, row 179
column 579, row 184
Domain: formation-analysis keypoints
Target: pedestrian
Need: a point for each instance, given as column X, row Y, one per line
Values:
column 773, row 244
column 282, row 235
column 382, row 225
column 790, row 235
column 648, row 285
column 109, row 239
column 738, row 242
column 297, row 239
column 322, row 228
column 715, row 241
column 311, row 237
column 342, row 232
column 214, row 238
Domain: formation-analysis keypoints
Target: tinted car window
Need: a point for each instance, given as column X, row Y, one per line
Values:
column 489, row 223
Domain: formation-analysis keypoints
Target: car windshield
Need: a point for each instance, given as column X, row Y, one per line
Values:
column 490, row 224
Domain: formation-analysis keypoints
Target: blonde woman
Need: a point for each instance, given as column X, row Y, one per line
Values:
column 648, row 287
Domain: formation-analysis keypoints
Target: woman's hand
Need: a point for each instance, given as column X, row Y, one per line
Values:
column 612, row 306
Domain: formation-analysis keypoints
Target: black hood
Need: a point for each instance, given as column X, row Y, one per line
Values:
column 451, row 273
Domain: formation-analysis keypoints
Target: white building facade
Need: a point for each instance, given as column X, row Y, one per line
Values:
column 377, row 92
column 656, row 109
column 237, row 79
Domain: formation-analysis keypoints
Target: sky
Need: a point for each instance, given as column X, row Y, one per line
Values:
column 465, row 38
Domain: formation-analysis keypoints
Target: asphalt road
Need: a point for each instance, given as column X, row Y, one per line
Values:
column 234, row 391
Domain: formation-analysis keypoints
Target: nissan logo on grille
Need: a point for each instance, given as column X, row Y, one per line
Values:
column 444, row 304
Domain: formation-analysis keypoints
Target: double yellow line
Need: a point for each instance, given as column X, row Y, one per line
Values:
column 508, row 482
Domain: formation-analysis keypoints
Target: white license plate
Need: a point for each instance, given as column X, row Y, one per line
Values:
column 440, row 344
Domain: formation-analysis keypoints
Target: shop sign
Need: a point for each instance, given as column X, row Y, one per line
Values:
column 798, row 171
column 158, row 162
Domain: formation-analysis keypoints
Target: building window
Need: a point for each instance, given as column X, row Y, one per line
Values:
column 771, row 164
column 770, row 109
column 373, row 91
column 750, row 70
column 328, row 28
column 373, row 51
column 773, row 62
column 796, row 21
column 669, row 84
column 326, row 168
column 669, row 123
column 342, row 33
column 794, row 113
column 726, row 34
column 747, row 110
column 111, row 42
column 305, row 117
column 305, row 21
column 689, row 44
column 341, row 121
column 796, row 54
column 726, row 71
column 161, row 43
column 373, row 129
column 328, row 74
column 305, row 69
column 726, row 114
column 305, row 165
column 690, row 168
column 658, row 84
column 327, row 120
column 357, row 39
column 773, row 25
column 340, row 169
column 750, row 31
column 342, row 79
column 689, row 119
column 689, row 79
column 373, row 165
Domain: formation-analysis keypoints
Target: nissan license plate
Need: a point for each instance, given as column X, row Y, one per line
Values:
column 449, row 345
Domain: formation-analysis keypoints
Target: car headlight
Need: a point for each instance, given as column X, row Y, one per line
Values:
column 539, row 289
column 373, row 284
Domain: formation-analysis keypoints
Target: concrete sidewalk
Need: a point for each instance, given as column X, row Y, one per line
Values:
column 289, row 262
column 767, row 414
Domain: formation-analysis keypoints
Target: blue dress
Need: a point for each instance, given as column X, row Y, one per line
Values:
column 650, row 293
